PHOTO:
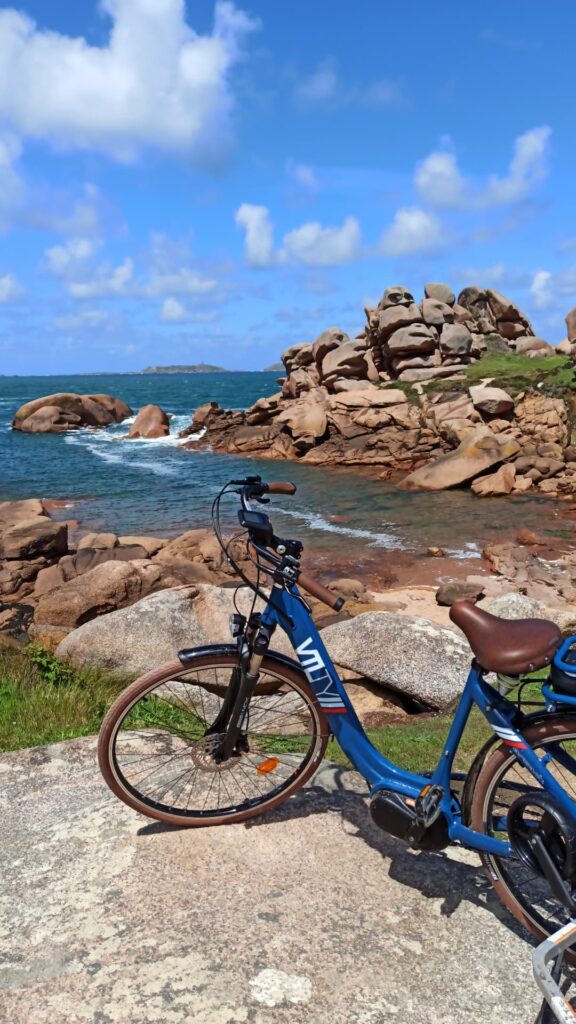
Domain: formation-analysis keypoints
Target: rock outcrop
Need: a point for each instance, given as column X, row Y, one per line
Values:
column 396, row 398
column 62, row 411
column 151, row 422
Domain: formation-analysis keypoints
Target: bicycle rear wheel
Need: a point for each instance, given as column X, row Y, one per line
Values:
column 502, row 779
column 157, row 756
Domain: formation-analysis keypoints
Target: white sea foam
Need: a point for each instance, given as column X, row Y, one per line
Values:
column 316, row 521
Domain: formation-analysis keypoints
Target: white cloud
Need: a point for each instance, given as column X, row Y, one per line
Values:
column 175, row 312
column 412, row 231
column 182, row 281
column 259, row 240
column 316, row 246
column 10, row 289
column 440, row 182
column 70, row 256
column 311, row 244
column 554, row 289
column 155, row 83
column 105, row 281
column 326, row 86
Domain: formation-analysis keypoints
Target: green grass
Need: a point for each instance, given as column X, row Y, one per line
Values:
column 47, row 703
column 553, row 375
column 43, row 701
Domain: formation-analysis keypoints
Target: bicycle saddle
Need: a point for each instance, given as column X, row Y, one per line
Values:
column 510, row 646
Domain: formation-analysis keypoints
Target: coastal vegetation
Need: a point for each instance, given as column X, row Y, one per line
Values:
column 43, row 700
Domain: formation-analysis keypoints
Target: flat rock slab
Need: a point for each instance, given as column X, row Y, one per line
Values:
column 309, row 915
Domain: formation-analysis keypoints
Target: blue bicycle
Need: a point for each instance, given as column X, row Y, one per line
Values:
column 230, row 731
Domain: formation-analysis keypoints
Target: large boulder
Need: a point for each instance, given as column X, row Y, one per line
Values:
column 436, row 313
column 394, row 317
column 326, row 342
column 492, row 401
column 415, row 656
column 417, row 338
column 441, row 292
column 103, row 589
column 479, row 449
column 35, row 537
column 455, row 340
column 68, row 411
column 297, row 356
column 500, row 482
column 571, row 325
column 150, row 422
column 347, row 360
column 138, row 638
column 306, row 421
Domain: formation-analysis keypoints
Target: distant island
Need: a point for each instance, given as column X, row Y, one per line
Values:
column 195, row 368
column 274, row 368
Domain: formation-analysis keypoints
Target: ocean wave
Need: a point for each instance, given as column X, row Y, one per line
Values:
column 315, row 521
column 470, row 550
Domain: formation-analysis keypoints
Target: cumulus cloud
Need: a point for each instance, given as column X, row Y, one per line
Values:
column 10, row 289
column 70, row 256
column 310, row 244
column 106, row 281
column 156, row 82
column 175, row 312
column 317, row 246
column 259, row 234
column 412, row 231
column 440, row 182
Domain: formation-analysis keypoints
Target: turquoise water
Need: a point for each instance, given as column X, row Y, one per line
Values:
column 159, row 487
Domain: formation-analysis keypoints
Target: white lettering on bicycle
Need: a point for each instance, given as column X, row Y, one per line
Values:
column 317, row 674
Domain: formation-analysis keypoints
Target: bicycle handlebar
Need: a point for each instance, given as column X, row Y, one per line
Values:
column 309, row 584
column 281, row 487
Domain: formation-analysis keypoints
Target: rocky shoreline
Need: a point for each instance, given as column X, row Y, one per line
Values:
column 128, row 603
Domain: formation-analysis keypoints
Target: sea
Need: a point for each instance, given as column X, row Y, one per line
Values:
column 161, row 488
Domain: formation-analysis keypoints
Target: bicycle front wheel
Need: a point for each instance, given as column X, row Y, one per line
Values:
column 501, row 780
column 156, row 752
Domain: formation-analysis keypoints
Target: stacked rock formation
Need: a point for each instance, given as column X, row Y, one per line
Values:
column 420, row 341
column 338, row 402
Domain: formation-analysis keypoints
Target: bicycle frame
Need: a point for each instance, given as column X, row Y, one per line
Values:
column 286, row 608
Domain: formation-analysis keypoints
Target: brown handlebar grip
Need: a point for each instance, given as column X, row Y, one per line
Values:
column 322, row 593
column 281, row 487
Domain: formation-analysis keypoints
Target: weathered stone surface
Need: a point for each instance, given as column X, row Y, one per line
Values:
column 500, row 482
column 103, row 589
column 348, row 360
column 368, row 397
column 414, row 656
column 441, row 292
column 503, row 309
column 326, row 342
column 396, row 295
column 99, row 541
column 150, row 422
column 479, row 450
column 490, row 400
column 436, row 313
column 455, row 340
column 394, row 317
column 34, row 538
column 297, row 356
column 66, row 411
column 86, row 933
column 417, row 338
column 306, row 421
column 571, row 325
column 458, row 590
column 151, row 631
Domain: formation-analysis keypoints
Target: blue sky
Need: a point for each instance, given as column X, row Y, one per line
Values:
column 199, row 182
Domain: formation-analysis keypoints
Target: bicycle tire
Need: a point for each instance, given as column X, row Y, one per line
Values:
column 277, row 682
column 494, row 790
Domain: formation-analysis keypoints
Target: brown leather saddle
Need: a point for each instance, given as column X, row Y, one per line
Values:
column 511, row 647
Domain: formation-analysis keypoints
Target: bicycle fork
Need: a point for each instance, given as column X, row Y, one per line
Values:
column 253, row 643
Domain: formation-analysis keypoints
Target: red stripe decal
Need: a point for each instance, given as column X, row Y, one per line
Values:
column 511, row 743
column 333, row 711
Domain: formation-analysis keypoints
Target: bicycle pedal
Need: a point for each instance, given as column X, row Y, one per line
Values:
column 427, row 805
